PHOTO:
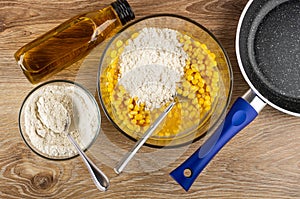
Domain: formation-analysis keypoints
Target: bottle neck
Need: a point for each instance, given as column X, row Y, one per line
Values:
column 123, row 10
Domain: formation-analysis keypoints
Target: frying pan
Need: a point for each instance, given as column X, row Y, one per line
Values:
column 268, row 54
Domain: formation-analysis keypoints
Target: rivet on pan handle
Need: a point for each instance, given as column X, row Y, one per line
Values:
column 240, row 115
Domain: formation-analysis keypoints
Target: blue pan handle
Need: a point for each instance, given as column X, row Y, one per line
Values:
column 240, row 115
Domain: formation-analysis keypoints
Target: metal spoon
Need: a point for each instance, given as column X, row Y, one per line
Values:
column 122, row 164
column 100, row 179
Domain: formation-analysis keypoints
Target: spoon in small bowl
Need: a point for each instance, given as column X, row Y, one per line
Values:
column 100, row 179
column 61, row 122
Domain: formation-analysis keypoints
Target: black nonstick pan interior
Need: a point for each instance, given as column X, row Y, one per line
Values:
column 269, row 47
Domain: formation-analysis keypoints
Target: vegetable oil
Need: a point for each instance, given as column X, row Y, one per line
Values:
column 71, row 41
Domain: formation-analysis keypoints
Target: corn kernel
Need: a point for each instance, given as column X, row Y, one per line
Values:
column 120, row 95
column 212, row 56
column 185, row 93
column 201, row 67
column 194, row 63
column 195, row 101
column 119, row 43
column 133, row 112
column 176, row 115
column 206, row 103
column 197, row 75
column 179, row 105
column 197, row 43
column 201, row 101
column 208, row 89
column 185, row 84
column 117, row 103
column 207, row 108
column 192, row 114
column 201, row 57
column 134, row 35
column 113, row 54
column 207, row 97
column 185, row 47
column 133, row 121
column 167, row 134
column 109, row 88
column 201, row 90
column 160, row 134
column 120, row 50
column 130, row 106
column 188, row 42
column 148, row 119
column 190, row 78
column 138, row 117
column 194, row 81
column 142, row 105
column 142, row 121
column 188, row 62
column 179, row 91
column 194, row 88
column 136, row 108
column 194, row 66
column 208, row 73
column 126, row 102
column 203, row 46
column 186, row 37
column 191, row 95
column 216, row 74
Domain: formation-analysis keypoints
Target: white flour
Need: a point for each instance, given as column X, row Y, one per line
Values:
column 151, row 65
column 46, row 115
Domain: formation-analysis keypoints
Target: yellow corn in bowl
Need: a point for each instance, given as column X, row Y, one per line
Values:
column 202, row 94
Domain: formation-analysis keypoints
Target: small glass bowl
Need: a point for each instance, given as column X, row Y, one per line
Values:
column 190, row 126
column 35, row 127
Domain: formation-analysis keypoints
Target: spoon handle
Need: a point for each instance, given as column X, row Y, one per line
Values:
column 100, row 179
column 122, row 164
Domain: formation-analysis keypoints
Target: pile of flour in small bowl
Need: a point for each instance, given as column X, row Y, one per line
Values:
column 52, row 111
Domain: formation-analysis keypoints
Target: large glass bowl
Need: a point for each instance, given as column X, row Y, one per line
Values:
column 53, row 109
column 187, row 121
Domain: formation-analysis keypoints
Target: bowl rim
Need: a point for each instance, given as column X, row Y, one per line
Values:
column 85, row 90
column 228, row 63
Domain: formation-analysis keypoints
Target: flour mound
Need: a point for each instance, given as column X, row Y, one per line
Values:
column 151, row 65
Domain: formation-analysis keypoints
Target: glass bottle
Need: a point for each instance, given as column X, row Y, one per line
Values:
column 71, row 41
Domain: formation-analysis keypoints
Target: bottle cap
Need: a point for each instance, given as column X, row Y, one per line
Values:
column 123, row 10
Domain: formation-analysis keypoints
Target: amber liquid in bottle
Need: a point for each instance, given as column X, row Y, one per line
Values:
column 71, row 41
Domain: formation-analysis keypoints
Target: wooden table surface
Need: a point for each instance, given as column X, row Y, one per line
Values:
column 262, row 161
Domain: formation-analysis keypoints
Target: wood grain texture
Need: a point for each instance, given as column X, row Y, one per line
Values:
column 262, row 161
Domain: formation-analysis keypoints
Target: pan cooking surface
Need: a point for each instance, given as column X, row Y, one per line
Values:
column 269, row 52
column 277, row 49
